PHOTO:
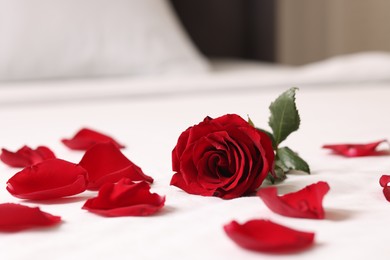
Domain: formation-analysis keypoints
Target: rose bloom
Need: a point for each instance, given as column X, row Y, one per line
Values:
column 224, row 157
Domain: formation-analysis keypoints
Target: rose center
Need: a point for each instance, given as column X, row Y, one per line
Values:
column 219, row 165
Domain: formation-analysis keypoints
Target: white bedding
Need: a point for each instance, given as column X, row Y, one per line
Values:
column 55, row 39
column 149, row 114
column 226, row 75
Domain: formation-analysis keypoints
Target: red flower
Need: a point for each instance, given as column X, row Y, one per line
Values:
column 26, row 156
column 224, row 157
column 125, row 198
column 383, row 181
column 86, row 138
column 105, row 163
column 357, row 150
column 266, row 236
column 305, row 203
column 49, row 179
column 16, row 217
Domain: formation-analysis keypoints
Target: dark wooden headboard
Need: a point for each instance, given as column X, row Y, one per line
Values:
column 230, row 28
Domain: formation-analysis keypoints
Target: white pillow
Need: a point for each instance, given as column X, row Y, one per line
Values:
column 76, row 38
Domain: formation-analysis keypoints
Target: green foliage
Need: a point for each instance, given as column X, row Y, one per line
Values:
column 288, row 160
column 284, row 120
column 277, row 176
column 284, row 117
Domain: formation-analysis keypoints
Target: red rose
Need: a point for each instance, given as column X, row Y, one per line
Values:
column 224, row 157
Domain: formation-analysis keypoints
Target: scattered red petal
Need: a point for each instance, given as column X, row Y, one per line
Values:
column 26, row 156
column 106, row 164
column 86, row 138
column 16, row 217
column 50, row 179
column 305, row 203
column 266, row 236
column 357, row 150
column 384, row 181
column 125, row 198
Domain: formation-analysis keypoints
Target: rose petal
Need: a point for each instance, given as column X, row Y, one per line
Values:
column 125, row 198
column 26, row 156
column 106, row 164
column 383, row 181
column 305, row 203
column 86, row 138
column 266, row 236
column 16, row 217
column 49, row 179
column 357, row 150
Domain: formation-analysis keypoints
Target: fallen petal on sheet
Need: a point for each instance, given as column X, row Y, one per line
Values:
column 16, row 217
column 26, row 156
column 266, row 236
column 384, row 181
column 305, row 203
column 105, row 163
column 125, row 198
column 50, row 179
column 86, row 138
column 358, row 150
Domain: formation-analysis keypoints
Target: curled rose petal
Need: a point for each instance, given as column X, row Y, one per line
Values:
column 357, row 150
column 266, row 236
column 305, row 203
column 125, row 198
column 384, row 181
column 26, row 156
column 50, row 179
column 106, row 164
column 16, row 217
column 224, row 157
column 86, row 138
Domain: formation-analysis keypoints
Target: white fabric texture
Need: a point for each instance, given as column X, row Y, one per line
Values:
column 78, row 38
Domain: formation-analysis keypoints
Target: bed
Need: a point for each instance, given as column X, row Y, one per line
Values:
column 149, row 123
column 340, row 100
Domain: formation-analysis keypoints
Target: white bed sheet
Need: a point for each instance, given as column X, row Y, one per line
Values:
column 225, row 76
column 149, row 117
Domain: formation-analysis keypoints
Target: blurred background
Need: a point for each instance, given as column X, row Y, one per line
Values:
column 284, row 31
column 57, row 39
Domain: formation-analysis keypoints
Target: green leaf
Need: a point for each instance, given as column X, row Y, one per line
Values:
column 287, row 159
column 277, row 176
column 250, row 121
column 284, row 117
